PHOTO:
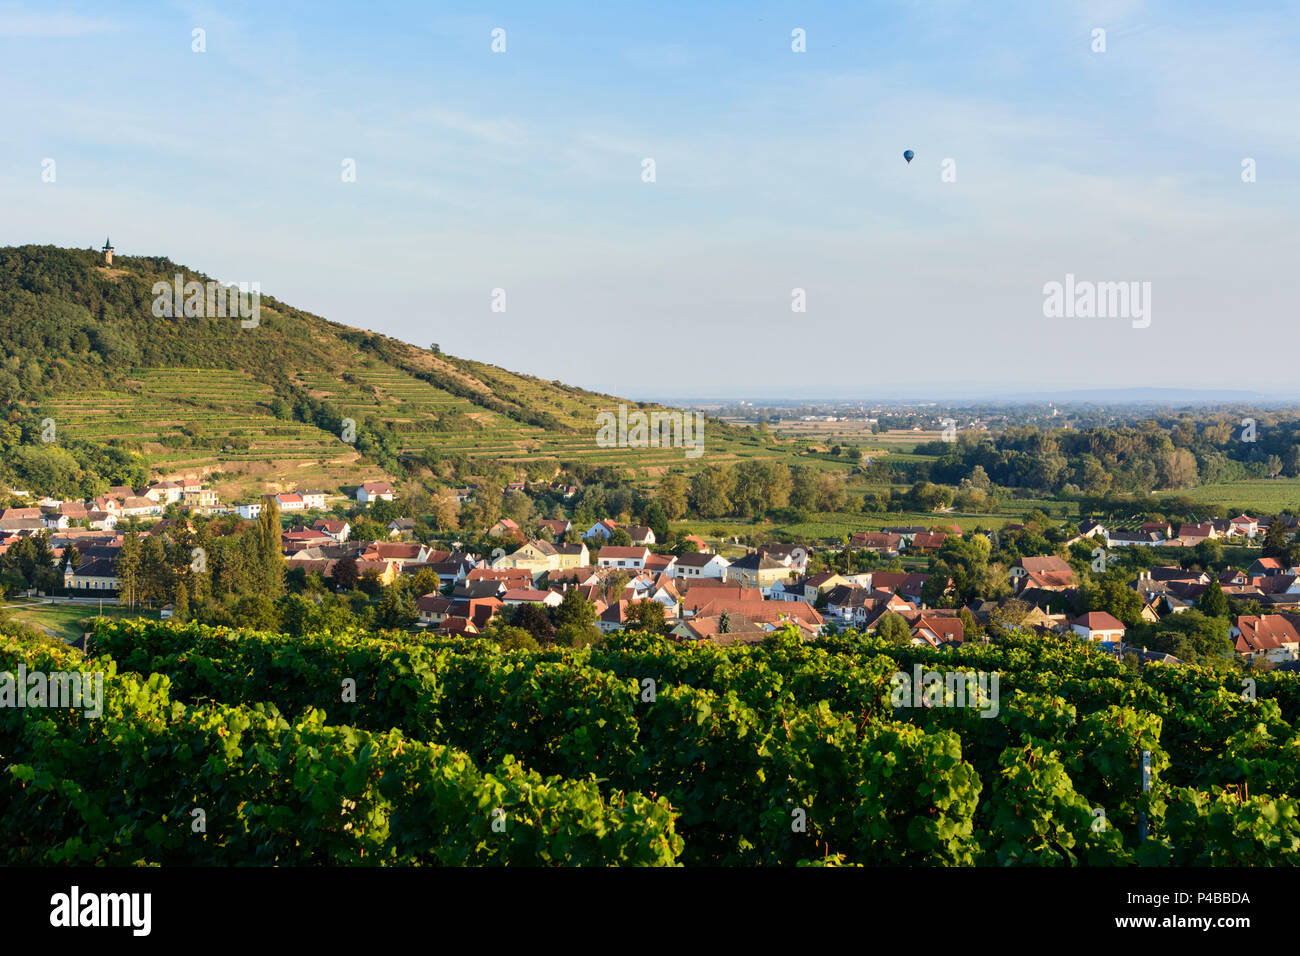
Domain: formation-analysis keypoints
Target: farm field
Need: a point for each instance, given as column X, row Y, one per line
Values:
column 1264, row 495
column 838, row 525
column 64, row 620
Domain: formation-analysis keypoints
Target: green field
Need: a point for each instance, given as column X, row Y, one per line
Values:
column 64, row 620
column 1262, row 495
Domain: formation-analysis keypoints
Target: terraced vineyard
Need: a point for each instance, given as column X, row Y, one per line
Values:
column 192, row 421
column 196, row 395
column 428, row 416
column 196, row 421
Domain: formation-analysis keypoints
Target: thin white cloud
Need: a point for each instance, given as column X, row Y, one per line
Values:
column 15, row 22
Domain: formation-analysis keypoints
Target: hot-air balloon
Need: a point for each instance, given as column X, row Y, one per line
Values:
column 908, row 154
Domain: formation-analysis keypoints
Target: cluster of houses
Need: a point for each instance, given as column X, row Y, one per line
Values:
column 1156, row 534
column 367, row 493
column 1045, row 582
column 104, row 512
column 890, row 542
column 92, row 525
column 704, row 595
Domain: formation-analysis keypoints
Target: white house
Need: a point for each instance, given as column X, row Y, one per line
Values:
column 640, row 534
column 250, row 511
column 531, row 596
column 336, row 529
column 313, row 500
column 616, row 556
column 1128, row 539
column 140, row 507
column 1243, row 525
column 697, row 565
column 164, row 492
column 1098, row 626
column 372, row 491
column 101, row 520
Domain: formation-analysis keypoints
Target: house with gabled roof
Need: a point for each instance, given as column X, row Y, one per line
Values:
column 936, row 630
column 603, row 528
column 1098, row 626
column 74, row 511
column 815, row 585
column 572, row 556
column 92, row 574
column 619, row 556
column 1271, row 636
column 762, row 612
column 135, row 506
column 510, row 577
column 640, row 534
column 1128, row 539
column 336, row 529
column 432, row 609
column 792, row 556
column 660, row 563
column 299, row 539
column 1090, row 529
column 709, row 628
column 1265, row 567
column 1243, row 526
column 505, row 527
column 540, row 556
column 1191, row 534
column 530, row 595
column 1045, row 565
column 928, row 541
column 880, row 542
column 556, row 526
column 614, row 617
column 695, row 564
column 164, row 492
column 372, row 491
column 757, row 570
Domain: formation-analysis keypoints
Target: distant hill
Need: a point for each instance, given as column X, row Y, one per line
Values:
column 264, row 408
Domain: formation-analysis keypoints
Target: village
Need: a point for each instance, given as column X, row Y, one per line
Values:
column 698, row 594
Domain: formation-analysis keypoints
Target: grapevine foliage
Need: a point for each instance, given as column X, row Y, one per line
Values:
column 364, row 748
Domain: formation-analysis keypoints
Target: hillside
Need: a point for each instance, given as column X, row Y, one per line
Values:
column 263, row 408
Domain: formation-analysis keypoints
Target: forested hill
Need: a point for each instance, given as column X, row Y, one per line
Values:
column 69, row 321
column 264, row 408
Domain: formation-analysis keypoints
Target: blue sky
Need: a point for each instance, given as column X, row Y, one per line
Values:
column 775, row 170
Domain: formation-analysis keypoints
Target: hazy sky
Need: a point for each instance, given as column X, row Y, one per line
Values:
column 774, row 170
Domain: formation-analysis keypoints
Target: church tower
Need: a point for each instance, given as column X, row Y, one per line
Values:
column 108, row 253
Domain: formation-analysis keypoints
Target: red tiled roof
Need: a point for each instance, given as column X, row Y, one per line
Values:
column 1098, row 621
column 1264, row 632
column 1047, row 563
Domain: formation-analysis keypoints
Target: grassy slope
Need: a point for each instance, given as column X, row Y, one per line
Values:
column 143, row 378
